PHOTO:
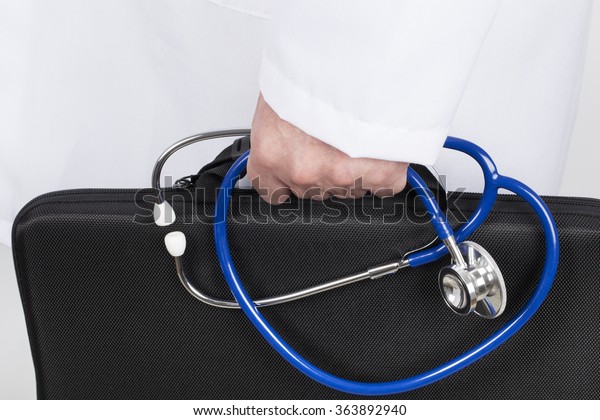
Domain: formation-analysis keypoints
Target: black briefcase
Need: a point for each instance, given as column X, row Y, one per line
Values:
column 108, row 318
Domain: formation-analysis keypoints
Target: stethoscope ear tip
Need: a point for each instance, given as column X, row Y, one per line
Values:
column 163, row 213
column 175, row 243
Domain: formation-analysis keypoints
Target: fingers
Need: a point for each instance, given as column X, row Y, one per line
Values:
column 381, row 183
column 356, row 178
column 270, row 189
column 381, row 178
column 285, row 160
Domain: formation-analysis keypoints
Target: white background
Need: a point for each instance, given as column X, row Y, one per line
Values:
column 16, row 370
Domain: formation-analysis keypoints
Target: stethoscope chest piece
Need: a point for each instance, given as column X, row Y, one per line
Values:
column 475, row 284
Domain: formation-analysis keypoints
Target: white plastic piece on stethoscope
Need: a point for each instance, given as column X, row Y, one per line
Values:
column 164, row 214
column 175, row 243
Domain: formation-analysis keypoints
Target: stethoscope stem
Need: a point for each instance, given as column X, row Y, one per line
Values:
column 454, row 251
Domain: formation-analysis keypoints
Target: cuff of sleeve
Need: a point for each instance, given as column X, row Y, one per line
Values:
column 356, row 138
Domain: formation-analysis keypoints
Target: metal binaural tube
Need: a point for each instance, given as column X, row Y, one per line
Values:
column 371, row 273
column 160, row 162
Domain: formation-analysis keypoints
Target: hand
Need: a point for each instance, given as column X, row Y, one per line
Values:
column 285, row 160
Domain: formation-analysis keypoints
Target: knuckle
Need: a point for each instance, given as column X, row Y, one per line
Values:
column 384, row 192
column 341, row 176
column 307, row 193
column 303, row 176
column 337, row 192
column 279, row 196
column 357, row 193
column 400, row 184
column 298, row 191
column 378, row 179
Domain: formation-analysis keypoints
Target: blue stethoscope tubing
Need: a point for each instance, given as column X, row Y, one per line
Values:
column 493, row 182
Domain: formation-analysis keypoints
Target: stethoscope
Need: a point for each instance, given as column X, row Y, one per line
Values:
column 471, row 283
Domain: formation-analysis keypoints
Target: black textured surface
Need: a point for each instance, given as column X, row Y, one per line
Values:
column 107, row 317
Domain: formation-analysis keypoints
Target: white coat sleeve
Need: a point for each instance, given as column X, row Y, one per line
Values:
column 379, row 79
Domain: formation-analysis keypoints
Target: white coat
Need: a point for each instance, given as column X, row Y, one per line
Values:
column 92, row 92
